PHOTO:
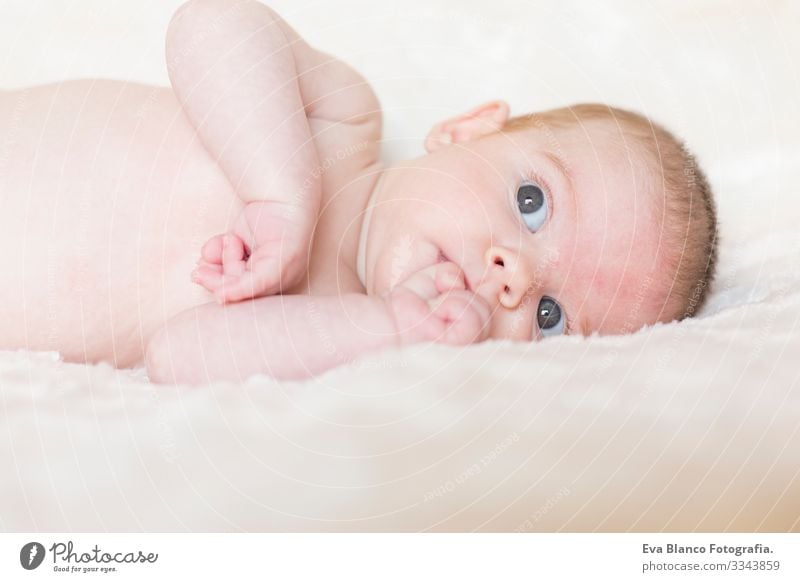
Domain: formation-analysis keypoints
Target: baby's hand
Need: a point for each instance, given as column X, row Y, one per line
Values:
column 435, row 305
column 265, row 252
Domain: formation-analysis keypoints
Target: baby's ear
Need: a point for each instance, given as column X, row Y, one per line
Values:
column 482, row 120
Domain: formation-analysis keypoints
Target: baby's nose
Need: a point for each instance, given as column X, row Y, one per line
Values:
column 508, row 278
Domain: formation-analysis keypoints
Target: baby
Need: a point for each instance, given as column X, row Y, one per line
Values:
column 571, row 221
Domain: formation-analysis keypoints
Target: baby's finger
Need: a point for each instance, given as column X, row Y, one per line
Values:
column 421, row 284
column 466, row 317
column 208, row 276
column 233, row 255
column 228, row 290
column 449, row 277
column 249, row 285
column 216, row 267
column 212, row 250
column 436, row 279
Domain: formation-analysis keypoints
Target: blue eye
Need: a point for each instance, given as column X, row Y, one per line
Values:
column 549, row 317
column 532, row 205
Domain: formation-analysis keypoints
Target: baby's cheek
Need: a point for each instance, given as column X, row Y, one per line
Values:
column 513, row 325
column 404, row 258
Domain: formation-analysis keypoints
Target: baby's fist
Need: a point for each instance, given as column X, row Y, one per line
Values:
column 265, row 253
column 434, row 305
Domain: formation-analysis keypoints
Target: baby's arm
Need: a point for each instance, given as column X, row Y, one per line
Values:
column 298, row 336
column 248, row 83
column 284, row 336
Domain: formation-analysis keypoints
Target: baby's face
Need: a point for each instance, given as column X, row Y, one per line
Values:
column 556, row 231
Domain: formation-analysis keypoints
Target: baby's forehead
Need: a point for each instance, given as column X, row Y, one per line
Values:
column 599, row 161
column 601, row 139
column 613, row 240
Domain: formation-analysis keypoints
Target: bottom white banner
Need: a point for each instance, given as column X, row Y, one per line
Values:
column 354, row 557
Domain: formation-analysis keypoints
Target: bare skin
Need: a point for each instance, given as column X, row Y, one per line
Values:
column 101, row 208
column 106, row 232
column 110, row 192
column 109, row 196
column 258, row 173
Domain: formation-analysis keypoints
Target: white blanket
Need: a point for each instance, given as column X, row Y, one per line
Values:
column 691, row 426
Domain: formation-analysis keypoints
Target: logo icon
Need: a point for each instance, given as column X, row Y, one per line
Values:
column 31, row 555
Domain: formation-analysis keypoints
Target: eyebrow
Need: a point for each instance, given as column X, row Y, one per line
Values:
column 561, row 165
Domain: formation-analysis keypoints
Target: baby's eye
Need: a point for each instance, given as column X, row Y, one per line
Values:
column 549, row 317
column 532, row 205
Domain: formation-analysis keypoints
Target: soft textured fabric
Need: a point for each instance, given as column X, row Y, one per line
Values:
column 692, row 426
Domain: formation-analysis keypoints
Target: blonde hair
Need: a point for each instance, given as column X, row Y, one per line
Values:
column 689, row 218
